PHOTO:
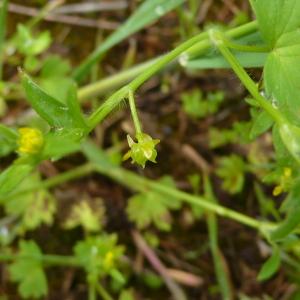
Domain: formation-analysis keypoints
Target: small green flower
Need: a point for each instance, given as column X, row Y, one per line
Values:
column 143, row 150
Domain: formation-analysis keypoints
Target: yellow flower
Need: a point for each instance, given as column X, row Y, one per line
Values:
column 277, row 190
column 109, row 260
column 284, row 182
column 30, row 141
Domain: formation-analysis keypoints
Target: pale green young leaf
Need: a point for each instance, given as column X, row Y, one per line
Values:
column 271, row 266
column 231, row 169
column 282, row 76
column 198, row 106
column 152, row 207
column 34, row 208
column 27, row 271
column 276, row 17
column 88, row 215
column 221, row 137
column 148, row 12
column 29, row 45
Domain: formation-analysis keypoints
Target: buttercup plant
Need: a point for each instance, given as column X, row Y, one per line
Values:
column 272, row 42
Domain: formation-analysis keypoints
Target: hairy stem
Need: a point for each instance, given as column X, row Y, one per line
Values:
column 218, row 40
column 134, row 113
column 193, row 46
column 142, row 184
column 103, row 86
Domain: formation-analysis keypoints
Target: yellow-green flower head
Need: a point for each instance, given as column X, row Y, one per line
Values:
column 285, row 182
column 143, row 150
column 30, row 140
column 109, row 260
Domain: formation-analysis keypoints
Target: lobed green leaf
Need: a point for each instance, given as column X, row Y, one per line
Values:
column 28, row 271
column 276, row 17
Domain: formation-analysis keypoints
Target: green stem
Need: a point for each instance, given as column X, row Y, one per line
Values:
column 218, row 258
column 105, row 85
column 165, row 60
column 218, row 40
column 195, row 45
column 51, row 182
column 102, row 292
column 3, row 14
column 142, row 184
column 44, row 12
column 47, row 259
column 92, row 284
column 159, row 64
column 134, row 113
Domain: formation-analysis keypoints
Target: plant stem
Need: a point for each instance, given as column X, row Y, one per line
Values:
column 134, row 113
column 92, row 284
column 198, row 44
column 47, row 259
column 218, row 40
column 105, row 85
column 142, row 184
column 231, row 33
column 102, row 292
column 3, row 14
column 44, row 12
column 221, row 268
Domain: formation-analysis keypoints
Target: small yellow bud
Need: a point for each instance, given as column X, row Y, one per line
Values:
column 287, row 172
column 30, row 141
column 277, row 190
column 109, row 260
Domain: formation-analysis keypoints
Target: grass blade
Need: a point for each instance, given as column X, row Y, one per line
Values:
column 221, row 269
column 3, row 13
column 147, row 13
column 247, row 60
